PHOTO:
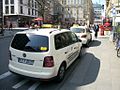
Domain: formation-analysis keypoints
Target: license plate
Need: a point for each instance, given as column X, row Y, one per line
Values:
column 26, row 61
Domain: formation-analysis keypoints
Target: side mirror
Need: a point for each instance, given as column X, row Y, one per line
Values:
column 90, row 31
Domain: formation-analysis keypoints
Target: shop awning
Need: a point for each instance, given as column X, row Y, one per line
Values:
column 38, row 19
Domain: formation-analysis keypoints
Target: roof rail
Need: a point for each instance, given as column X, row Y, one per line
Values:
column 52, row 31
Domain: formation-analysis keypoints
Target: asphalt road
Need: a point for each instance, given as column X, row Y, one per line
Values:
column 89, row 72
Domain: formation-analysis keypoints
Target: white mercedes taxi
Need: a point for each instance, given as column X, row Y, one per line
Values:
column 83, row 33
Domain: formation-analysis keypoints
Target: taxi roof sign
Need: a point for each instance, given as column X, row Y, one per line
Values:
column 47, row 26
column 75, row 25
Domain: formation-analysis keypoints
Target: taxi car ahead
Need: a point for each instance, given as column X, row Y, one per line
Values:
column 83, row 33
column 43, row 53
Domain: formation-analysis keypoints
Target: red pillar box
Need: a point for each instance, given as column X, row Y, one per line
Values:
column 102, row 30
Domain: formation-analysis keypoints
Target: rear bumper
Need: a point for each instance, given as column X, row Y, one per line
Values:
column 41, row 74
column 84, row 40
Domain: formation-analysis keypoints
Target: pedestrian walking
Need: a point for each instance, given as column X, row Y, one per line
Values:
column 96, row 29
column 117, row 36
column 10, row 27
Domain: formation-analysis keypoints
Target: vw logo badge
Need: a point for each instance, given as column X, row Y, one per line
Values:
column 24, row 55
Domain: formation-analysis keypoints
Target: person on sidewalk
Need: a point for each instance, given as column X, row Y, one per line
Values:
column 96, row 29
column 10, row 27
column 117, row 36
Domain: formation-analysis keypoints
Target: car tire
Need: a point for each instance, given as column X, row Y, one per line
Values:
column 91, row 38
column 87, row 44
column 61, row 73
column 80, row 53
column 118, row 52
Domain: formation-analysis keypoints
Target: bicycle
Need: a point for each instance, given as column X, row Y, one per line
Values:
column 117, row 41
column 118, row 48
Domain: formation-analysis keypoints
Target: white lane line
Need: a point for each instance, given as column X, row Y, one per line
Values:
column 4, row 75
column 34, row 86
column 20, row 83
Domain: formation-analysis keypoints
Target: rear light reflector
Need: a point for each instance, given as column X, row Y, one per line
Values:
column 83, row 36
column 48, row 61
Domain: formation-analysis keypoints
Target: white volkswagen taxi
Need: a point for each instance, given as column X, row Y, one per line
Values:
column 43, row 53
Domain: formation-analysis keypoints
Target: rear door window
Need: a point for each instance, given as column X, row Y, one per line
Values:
column 78, row 30
column 30, row 43
column 58, row 42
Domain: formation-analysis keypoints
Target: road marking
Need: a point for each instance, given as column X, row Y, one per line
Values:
column 20, row 83
column 34, row 86
column 5, row 75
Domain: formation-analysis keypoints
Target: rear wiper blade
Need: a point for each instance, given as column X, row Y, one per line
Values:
column 29, row 48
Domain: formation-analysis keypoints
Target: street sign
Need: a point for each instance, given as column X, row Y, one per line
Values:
column 114, row 12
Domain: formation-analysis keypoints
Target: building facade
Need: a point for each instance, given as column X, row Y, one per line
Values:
column 113, row 10
column 88, row 11
column 78, row 11
column 97, row 13
column 19, row 12
column 73, row 11
column 1, row 13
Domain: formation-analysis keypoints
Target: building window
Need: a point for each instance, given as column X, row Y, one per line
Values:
column 28, row 11
column 7, row 9
column 32, row 11
column 11, row 1
column 35, row 4
column 74, row 1
column 21, row 1
column 32, row 3
column 21, row 10
column 64, row 2
column 68, row 2
column 12, row 9
column 6, row 2
column 35, row 12
column 28, row 3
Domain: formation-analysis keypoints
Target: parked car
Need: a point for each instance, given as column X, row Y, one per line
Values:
column 83, row 33
column 43, row 53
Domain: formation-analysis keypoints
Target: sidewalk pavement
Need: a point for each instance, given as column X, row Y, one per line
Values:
column 99, row 68
column 7, row 34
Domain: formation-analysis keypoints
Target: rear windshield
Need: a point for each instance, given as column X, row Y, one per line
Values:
column 77, row 30
column 30, row 43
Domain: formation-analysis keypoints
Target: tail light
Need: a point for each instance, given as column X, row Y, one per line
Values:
column 48, row 61
column 83, row 36
column 10, row 55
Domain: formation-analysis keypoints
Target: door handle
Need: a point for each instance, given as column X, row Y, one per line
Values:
column 75, row 47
